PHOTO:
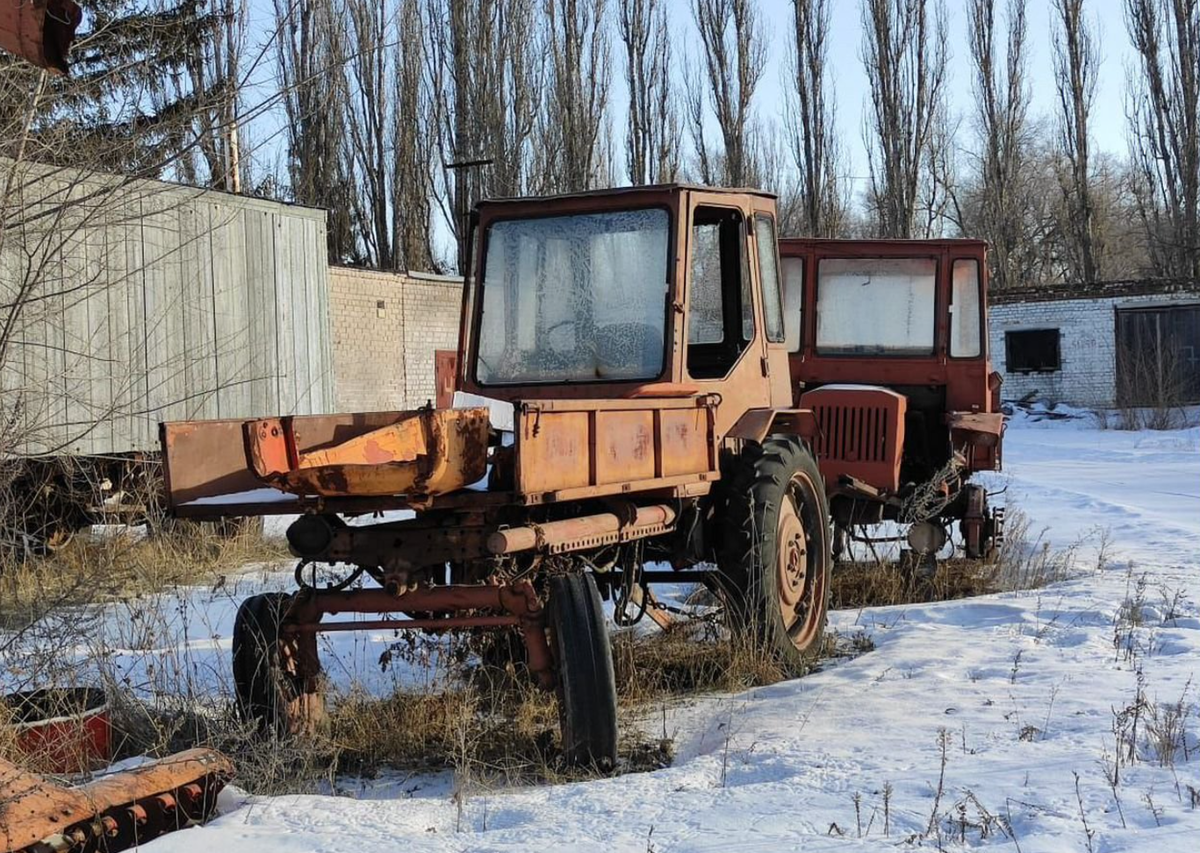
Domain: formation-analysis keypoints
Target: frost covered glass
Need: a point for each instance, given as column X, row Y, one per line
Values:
column 706, row 320
column 965, row 321
column 574, row 298
column 793, row 300
column 768, row 272
column 876, row 306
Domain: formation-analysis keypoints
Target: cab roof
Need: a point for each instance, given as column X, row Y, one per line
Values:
column 645, row 189
column 885, row 242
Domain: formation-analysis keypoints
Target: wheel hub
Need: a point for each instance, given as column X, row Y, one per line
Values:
column 791, row 561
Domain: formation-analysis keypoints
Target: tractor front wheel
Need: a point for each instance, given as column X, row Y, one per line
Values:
column 775, row 555
column 270, row 691
column 587, row 689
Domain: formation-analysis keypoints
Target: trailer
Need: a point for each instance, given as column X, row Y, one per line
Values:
column 132, row 302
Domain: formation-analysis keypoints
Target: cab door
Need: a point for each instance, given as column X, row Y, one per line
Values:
column 770, row 289
column 725, row 349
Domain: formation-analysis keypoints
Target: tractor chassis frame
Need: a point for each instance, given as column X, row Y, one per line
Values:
column 429, row 608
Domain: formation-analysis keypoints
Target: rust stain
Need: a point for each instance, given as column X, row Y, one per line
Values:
column 376, row 454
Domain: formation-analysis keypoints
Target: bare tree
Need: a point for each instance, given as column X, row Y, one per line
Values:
column 1002, row 99
column 367, row 110
column 412, row 148
column 938, row 187
column 384, row 149
column 776, row 173
column 485, row 64
column 311, row 56
column 214, row 87
column 1164, row 117
column 652, row 134
column 1076, row 65
column 571, row 141
column 734, row 55
column 904, row 51
column 811, row 117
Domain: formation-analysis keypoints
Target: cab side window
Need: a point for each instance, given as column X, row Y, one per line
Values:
column 720, row 309
column 966, row 321
column 768, row 273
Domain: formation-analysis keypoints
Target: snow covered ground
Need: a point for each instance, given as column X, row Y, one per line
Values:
column 987, row 723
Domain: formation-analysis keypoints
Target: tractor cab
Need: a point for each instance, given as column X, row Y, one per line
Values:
column 888, row 347
column 663, row 291
column 632, row 331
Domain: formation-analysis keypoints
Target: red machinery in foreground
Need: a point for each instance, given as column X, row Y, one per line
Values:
column 68, row 731
column 112, row 813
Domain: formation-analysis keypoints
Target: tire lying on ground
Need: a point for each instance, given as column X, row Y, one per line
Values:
column 587, row 689
column 774, row 556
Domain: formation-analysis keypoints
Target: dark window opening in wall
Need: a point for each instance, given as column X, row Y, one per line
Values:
column 1158, row 356
column 1032, row 351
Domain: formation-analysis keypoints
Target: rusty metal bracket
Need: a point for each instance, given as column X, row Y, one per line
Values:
column 40, row 31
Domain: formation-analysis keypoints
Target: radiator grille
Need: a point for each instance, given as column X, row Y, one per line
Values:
column 852, row 433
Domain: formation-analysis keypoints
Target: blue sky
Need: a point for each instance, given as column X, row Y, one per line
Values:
column 850, row 80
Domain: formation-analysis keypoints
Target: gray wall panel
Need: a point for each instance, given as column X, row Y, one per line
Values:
column 158, row 302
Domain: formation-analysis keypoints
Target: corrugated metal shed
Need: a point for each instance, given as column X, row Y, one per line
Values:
column 131, row 302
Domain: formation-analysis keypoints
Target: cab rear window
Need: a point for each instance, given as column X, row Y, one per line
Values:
column 876, row 306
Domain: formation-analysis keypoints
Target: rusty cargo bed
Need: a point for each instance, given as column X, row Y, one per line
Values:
column 562, row 450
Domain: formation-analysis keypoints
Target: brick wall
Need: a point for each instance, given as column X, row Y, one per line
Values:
column 386, row 327
column 1087, row 342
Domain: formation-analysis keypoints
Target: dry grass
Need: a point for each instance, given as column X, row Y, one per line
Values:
column 495, row 727
column 1025, row 561
column 492, row 726
column 884, row 584
column 268, row 766
column 96, row 569
column 505, row 729
column 689, row 659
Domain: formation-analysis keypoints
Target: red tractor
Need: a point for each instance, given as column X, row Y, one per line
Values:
column 888, row 343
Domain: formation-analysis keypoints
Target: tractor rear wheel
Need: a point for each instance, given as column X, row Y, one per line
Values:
column 587, row 688
column 269, row 690
column 775, row 555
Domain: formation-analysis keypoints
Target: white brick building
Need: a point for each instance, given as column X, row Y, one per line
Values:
column 1061, row 344
column 386, row 329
